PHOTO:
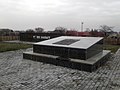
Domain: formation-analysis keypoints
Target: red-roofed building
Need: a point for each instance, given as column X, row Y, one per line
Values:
column 75, row 33
column 84, row 34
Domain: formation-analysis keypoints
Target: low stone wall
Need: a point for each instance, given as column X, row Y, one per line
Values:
column 89, row 65
column 37, row 37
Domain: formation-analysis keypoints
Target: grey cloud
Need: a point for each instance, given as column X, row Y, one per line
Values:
column 51, row 13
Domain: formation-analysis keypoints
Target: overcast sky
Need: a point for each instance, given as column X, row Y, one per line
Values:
column 25, row 14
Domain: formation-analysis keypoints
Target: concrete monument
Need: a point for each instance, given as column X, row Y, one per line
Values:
column 83, row 53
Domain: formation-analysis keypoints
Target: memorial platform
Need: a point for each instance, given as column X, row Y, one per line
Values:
column 83, row 53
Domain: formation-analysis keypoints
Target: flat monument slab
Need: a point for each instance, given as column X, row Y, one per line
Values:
column 77, row 42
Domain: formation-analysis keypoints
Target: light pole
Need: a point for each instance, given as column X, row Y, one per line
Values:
column 82, row 26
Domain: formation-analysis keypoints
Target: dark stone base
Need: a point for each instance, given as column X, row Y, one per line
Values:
column 89, row 65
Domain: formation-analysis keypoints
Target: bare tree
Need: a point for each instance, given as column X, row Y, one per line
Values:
column 60, row 30
column 6, row 31
column 30, row 31
column 39, row 29
column 106, row 29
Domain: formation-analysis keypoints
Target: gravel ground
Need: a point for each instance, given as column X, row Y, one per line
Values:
column 17, row 73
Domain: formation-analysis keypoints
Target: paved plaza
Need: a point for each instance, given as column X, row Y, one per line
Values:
column 17, row 73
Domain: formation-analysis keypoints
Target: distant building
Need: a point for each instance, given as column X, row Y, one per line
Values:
column 75, row 33
column 84, row 34
column 72, row 33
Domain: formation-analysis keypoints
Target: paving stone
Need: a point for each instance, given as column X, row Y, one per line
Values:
column 17, row 73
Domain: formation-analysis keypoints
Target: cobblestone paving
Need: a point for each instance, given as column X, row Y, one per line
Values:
column 17, row 73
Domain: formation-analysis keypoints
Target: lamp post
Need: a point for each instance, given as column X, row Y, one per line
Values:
column 82, row 26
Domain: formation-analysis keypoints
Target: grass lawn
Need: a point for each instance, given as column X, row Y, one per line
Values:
column 113, row 48
column 15, row 46
column 12, row 46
